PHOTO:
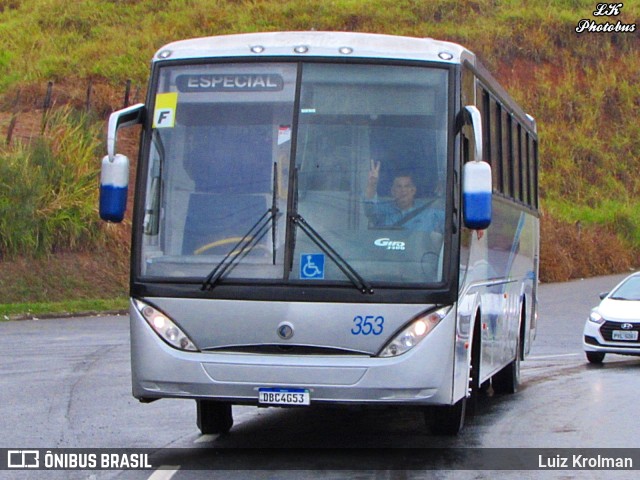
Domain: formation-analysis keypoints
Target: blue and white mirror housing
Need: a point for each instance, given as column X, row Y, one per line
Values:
column 114, row 185
column 476, row 192
column 114, row 177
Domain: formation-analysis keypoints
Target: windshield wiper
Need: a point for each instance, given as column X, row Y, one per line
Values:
column 249, row 240
column 298, row 220
column 350, row 272
column 242, row 248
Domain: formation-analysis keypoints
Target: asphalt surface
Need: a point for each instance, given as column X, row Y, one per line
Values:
column 65, row 383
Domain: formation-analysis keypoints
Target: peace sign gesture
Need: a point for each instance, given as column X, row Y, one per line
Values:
column 372, row 181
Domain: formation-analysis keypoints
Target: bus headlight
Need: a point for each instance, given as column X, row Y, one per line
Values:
column 412, row 335
column 165, row 328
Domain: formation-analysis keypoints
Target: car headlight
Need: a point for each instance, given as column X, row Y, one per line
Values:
column 414, row 333
column 595, row 317
column 165, row 327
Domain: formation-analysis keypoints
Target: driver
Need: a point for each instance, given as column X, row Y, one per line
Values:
column 402, row 211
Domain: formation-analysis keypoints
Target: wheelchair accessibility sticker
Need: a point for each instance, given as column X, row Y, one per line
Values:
column 312, row 266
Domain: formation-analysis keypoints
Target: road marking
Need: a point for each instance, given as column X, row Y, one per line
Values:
column 546, row 357
column 165, row 472
column 206, row 438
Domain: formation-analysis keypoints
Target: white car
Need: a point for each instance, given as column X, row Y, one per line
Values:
column 614, row 325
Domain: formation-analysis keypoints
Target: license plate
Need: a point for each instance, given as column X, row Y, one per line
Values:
column 624, row 335
column 283, row 396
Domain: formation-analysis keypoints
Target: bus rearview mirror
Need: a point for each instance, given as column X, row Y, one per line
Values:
column 114, row 176
column 114, row 184
column 476, row 193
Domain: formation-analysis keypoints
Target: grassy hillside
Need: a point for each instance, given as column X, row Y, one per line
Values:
column 583, row 88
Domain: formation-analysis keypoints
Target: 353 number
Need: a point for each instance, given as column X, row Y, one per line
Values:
column 367, row 325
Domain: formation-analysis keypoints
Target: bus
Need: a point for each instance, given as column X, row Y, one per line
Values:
column 327, row 218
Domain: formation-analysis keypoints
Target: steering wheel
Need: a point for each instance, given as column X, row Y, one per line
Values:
column 226, row 241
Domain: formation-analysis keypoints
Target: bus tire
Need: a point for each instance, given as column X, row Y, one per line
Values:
column 213, row 417
column 448, row 419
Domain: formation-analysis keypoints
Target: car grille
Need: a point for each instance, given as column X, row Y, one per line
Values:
column 606, row 330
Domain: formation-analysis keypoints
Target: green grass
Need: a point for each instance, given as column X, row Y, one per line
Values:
column 70, row 307
column 582, row 89
column 57, row 39
column 619, row 216
column 48, row 191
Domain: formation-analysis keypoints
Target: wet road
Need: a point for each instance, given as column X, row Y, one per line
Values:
column 65, row 383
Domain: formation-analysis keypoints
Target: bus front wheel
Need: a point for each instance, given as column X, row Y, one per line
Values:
column 214, row 417
column 447, row 419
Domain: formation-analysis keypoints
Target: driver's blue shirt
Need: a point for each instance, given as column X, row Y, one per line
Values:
column 421, row 217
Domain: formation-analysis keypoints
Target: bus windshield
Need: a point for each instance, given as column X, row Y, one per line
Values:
column 250, row 164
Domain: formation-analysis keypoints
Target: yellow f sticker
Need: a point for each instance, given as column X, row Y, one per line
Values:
column 164, row 115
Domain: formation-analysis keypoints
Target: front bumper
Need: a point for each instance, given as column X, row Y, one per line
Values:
column 595, row 341
column 422, row 376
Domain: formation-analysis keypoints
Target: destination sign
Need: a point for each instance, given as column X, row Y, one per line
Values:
column 230, row 82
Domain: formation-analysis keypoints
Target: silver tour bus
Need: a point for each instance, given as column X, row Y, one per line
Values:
column 327, row 218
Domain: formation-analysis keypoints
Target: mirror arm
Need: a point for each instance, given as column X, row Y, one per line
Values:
column 474, row 118
column 122, row 118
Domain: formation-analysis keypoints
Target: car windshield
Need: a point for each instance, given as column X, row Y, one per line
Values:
column 628, row 290
column 235, row 168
